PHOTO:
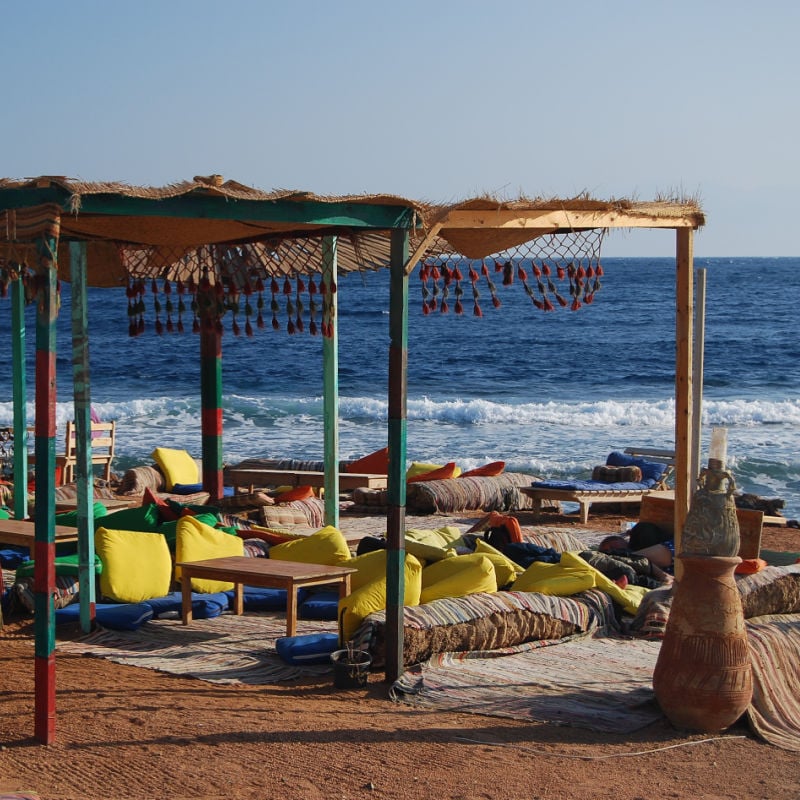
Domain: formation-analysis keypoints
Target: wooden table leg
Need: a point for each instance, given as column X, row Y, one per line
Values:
column 186, row 597
column 238, row 598
column 344, row 587
column 291, row 610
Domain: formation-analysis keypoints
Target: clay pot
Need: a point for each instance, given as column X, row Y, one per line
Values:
column 711, row 527
column 702, row 679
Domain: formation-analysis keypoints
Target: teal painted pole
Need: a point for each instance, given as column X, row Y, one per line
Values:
column 330, row 383
column 398, row 393
column 83, row 432
column 211, row 394
column 44, row 575
column 20, row 396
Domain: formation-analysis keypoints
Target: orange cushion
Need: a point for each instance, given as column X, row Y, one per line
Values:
column 165, row 512
column 486, row 471
column 376, row 463
column 449, row 470
column 750, row 565
column 298, row 493
column 511, row 524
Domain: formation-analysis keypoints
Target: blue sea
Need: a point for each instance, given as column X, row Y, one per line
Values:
column 548, row 393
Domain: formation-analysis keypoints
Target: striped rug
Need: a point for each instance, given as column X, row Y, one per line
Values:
column 597, row 682
column 774, row 713
column 228, row 649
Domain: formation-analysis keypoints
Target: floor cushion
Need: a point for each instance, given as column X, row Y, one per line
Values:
column 327, row 546
column 136, row 565
column 263, row 598
column 115, row 616
column 204, row 606
column 320, row 605
column 457, row 577
column 309, row 648
column 196, row 541
column 177, row 466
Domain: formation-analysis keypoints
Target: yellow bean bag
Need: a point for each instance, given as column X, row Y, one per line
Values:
column 136, row 565
column 326, row 546
column 371, row 596
column 505, row 569
column 458, row 576
column 196, row 541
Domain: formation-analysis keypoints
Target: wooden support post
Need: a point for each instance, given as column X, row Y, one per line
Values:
column 211, row 394
column 330, row 383
column 683, row 383
column 44, row 527
column 20, row 396
column 398, row 392
column 697, row 371
column 83, row 433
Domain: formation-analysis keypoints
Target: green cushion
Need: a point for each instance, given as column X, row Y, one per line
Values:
column 70, row 518
column 138, row 518
column 170, row 529
column 65, row 565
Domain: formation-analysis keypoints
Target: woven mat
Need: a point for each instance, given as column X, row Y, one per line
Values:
column 597, row 682
column 227, row 649
column 774, row 713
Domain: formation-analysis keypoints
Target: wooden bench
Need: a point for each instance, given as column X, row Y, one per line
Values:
column 289, row 477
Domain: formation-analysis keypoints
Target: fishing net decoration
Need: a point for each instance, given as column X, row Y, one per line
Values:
column 555, row 270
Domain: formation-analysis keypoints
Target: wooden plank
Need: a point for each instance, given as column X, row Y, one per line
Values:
column 550, row 220
column 330, row 382
column 289, row 477
column 19, row 394
column 211, row 395
column 661, row 512
column 22, row 533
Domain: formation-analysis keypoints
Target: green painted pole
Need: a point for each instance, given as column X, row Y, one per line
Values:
column 211, row 394
column 44, row 576
column 398, row 393
column 83, row 432
column 20, row 396
column 330, row 384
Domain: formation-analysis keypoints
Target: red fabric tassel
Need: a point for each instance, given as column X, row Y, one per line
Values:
column 459, row 307
column 476, row 310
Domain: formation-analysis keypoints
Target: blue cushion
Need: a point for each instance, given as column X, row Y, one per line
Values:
column 652, row 471
column 116, row 616
column 309, row 648
column 320, row 605
column 260, row 598
column 12, row 557
column 591, row 486
column 204, row 606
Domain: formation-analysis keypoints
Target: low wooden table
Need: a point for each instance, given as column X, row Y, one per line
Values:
column 21, row 532
column 271, row 573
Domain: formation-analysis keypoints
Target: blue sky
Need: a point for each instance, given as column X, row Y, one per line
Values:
column 436, row 100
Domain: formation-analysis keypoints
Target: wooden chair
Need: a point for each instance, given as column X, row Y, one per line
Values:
column 103, row 438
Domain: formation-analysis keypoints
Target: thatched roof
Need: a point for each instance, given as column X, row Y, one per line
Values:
column 195, row 226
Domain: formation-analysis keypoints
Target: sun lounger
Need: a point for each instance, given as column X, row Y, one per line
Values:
column 653, row 479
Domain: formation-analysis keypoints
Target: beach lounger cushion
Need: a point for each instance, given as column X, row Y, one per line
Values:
column 196, row 541
column 177, row 466
column 371, row 597
column 115, row 616
column 652, row 473
column 136, row 564
column 376, row 463
column 458, row 576
column 327, row 546
column 204, row 606
column 308, row 648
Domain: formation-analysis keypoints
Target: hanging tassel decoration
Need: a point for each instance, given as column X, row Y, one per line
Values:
column 299, row 305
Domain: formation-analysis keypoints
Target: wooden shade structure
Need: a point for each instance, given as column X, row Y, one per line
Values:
column 223, row 236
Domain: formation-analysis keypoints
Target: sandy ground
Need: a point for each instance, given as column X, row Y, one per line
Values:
column 125, row 732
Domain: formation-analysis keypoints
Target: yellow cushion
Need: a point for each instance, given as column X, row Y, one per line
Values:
column 370, row 597
column 326, row 546
column 559, row 580
column 457, row 577
column 448, row 471
column 505, row 569
column 420, row 468
column 136, row 565
column 447, row 536
column 629, row 598
column 369, row 565
column 177, row 466
column 196, row 541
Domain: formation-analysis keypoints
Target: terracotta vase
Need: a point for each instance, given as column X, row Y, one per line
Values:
column 711, row 527
column 703, row 679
